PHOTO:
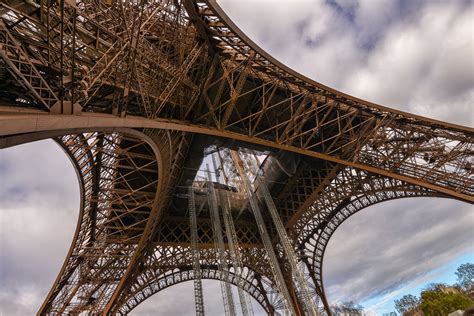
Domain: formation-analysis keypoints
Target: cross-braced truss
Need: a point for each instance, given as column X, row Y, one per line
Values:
column 134, row 91
column 119, row 180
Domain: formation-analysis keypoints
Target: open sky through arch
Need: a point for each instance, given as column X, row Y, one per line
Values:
column 411, row 55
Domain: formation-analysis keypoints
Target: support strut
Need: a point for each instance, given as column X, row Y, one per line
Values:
column 198, row 297
column 232, row 241
column 275, row 267
column 219, row 246
column 297, row 274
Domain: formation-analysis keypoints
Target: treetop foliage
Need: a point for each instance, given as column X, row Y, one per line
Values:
column 441, row 299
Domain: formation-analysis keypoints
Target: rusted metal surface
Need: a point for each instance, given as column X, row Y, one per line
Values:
column 127, row 87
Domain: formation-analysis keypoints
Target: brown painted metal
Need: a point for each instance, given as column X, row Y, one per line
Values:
column 126, row 88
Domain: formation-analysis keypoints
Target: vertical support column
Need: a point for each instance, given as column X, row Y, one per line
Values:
column 245, row 302
column 297, row 274
column 277, row 273
column 271, row 309
column 134, row 31
column 317, row 288
column 198, row 297
column 219, row 246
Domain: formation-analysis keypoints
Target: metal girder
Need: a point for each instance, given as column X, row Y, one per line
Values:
column 170, row 148
column 300, row 282
column 132, row 82
column 17, row 123
column 359, row 193
column 289, row 302
column 293, row 112
column 198, row 296
column 302, row 113
column 348, row 184
column 19, row 64
column 171, row 259
column 219, row 246
column 115, row 205
column 170, row 279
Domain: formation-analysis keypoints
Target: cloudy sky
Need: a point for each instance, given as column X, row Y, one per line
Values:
column 411, row 55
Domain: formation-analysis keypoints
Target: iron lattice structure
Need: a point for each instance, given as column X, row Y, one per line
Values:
column 134, row 91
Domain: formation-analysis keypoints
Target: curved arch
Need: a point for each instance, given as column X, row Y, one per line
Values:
column 456, row 183
column 83, row 191
column 167, row 280
column 326, row 224
column 162, row 141
column 47, row 134
column 171, row 259
column 345, row 186
column 240, row 39
column 335, row 127
column 104, row 158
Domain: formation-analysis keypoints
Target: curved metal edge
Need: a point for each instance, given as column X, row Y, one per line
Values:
column 266, row 308
column 214, row 6
column 178, row 259
column 151, row 224
column 78, row 225
column 423, row 194
column 16, row 125
column 31, row 137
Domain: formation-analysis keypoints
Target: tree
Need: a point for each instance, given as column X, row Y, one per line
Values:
column 407, row 304
column 439, row 298
column 465, row 275
column 442, row 302
column 347, row 308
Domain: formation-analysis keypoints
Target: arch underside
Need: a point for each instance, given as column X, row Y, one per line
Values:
column 174, row 278
column 118, row 175
column 318, row 231
column 195, row 72
column 160, row 275
column 216, row 80
column 121, row 194
column 347, row 193
column 101, row 251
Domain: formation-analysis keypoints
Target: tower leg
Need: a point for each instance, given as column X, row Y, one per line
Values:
column 198, row 297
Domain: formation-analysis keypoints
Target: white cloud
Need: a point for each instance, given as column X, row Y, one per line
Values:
column 426, row 67
column 39, row 205
column 411, row 55
column 387, row 245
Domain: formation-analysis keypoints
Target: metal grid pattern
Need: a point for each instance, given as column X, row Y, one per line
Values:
column 123, row 87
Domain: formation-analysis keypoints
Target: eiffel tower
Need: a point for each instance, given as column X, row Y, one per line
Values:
column 200, row 156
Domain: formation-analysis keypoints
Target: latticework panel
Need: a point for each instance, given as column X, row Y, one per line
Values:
column 209, row 74
column 173, row 265
column 314, row 238
column 119, row 177
column 176, row 231
column 173, row 68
